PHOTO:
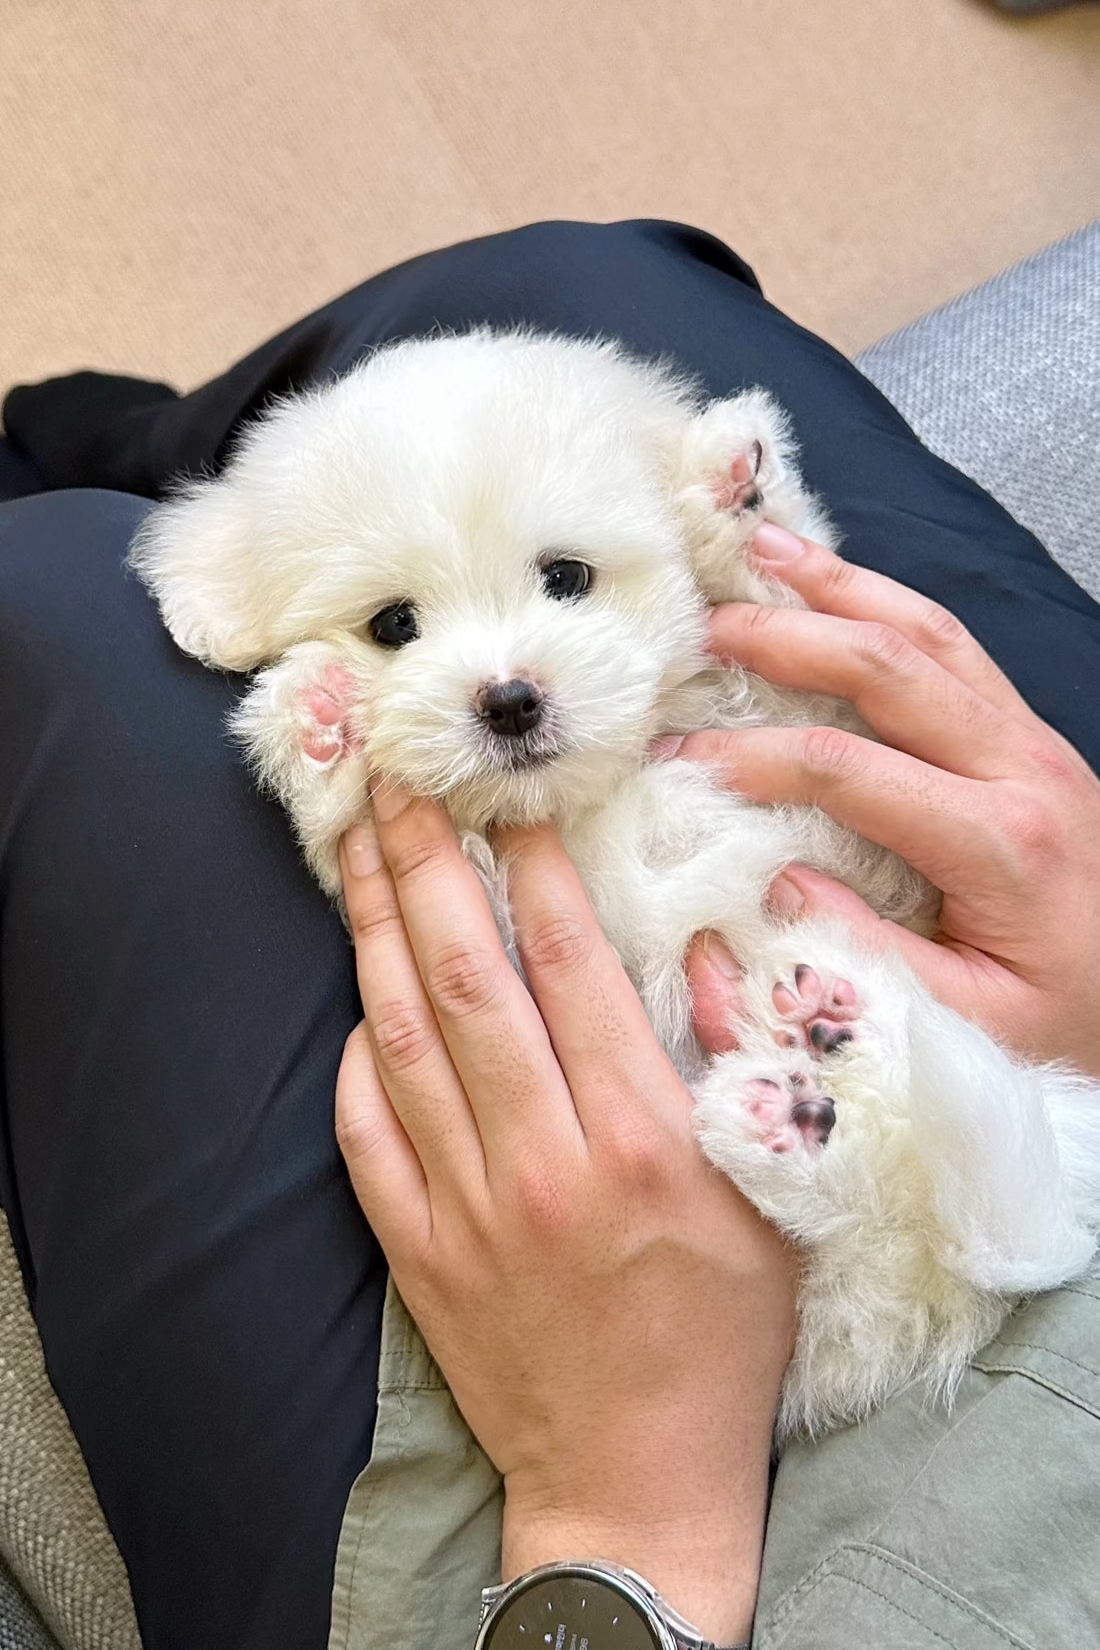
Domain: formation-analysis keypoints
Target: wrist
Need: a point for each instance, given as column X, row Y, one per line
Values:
column 707, row 1566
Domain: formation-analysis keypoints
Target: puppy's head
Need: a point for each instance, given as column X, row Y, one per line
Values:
column 485, row 527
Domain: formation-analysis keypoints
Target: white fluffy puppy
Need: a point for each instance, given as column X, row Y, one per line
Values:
column 481, row 565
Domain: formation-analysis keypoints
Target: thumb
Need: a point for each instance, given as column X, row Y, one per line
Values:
column 714, row 975
column 800, row 893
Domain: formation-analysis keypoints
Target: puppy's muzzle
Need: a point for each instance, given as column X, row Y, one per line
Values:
column 511, row 709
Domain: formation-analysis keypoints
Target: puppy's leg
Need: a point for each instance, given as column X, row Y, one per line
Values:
column 738, row 468
column 302, row 726
column 930, row 1176
column 1013, row 1156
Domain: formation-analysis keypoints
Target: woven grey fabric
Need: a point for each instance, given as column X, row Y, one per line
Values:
column 1005, row 384
column 52, row 1533
column 20, row 1628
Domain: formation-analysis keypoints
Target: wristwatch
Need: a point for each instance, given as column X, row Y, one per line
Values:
column 587, row 1605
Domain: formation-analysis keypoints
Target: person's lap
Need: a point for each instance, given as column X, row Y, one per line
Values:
column 174, row 993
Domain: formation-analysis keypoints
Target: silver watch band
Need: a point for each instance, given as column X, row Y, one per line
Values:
column 686, row 1636
column 681, row 1634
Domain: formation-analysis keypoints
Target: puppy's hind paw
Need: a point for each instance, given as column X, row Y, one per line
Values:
column 818, row 1012
column 790, row 1111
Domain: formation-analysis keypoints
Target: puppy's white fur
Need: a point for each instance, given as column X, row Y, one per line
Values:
column 447, row 474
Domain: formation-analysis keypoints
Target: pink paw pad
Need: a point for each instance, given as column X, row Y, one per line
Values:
column 820, row 1014
column 324, row 711
column 792, row 1111
column 737, row 489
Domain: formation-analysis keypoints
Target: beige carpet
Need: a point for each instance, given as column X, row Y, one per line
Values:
column 180, row 179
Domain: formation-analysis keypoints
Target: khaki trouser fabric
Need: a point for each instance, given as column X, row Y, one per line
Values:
column 975, row 1527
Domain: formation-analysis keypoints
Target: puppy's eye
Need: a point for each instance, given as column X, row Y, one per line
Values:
column 566, row 580
column 395, row 626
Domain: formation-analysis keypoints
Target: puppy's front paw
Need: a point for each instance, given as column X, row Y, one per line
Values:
column 737, row 490
column 737, row 469
column 302, row 727
column 325, row 711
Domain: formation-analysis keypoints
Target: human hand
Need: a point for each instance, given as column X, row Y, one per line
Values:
column 614, row 1319
column 997, row 809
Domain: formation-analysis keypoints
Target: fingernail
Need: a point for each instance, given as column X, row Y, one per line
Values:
column 719, row 955
column 666, row 747
column 389, row 799
column 785, row 897
column 772, row 543
column 362, row 855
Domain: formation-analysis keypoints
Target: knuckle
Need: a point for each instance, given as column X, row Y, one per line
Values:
column 1034, row 832
column 541, row 1200
column 882, row 649
column 642, row 1156
column 359, row 1134
column 939, row 631
column 758, row 621
column 414, row 856
column 374, row 920
column 402, row 1035
column 829, row 753
column 837, row 577
column 557, row 945
column 462, row 980
column 1055, row 766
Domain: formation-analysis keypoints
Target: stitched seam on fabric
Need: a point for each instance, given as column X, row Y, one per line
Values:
column 1079, row 1289
column 946, row 1593
column 1030, row 1346
column 825, row 1572
column 931, row 1631
column 396, row 1385
column 901, row 1610
column 1027, row 1373
column 793, row 1599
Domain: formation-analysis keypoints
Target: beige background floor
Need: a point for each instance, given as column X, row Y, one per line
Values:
column 178, row 180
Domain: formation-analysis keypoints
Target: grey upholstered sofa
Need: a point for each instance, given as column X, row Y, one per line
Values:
column 1005, row 382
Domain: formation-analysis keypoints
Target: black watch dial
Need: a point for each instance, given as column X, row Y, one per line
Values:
column 572, row 1611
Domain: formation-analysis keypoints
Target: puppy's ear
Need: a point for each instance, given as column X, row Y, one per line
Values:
column 195, row 555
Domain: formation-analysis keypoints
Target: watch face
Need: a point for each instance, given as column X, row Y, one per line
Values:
column 572, row 1612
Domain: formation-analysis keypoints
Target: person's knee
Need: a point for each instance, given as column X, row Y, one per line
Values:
column 569, row 250
column 62, row 578
column 628, row 280
column 45, row 535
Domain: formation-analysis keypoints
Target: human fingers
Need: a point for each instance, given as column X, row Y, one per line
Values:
column 714, row 976
column 828, row 584
column 386, row 1174
column 946, row 826
column 409, row 1054
column 952, row 973
column 911, row 701
column 590, row 1009
column 490, row 1027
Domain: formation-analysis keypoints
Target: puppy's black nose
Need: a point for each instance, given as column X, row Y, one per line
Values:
column 510, row 708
